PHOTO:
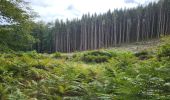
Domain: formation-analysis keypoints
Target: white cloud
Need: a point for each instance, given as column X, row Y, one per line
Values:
column 49, row 10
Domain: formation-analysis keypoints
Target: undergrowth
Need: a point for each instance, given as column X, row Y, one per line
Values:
column 92, row 75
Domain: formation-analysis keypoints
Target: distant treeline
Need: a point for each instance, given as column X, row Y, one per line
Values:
column 106, row 30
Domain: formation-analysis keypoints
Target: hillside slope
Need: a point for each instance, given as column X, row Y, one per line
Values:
column 106, row 74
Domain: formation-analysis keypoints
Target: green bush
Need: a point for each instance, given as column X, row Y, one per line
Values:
column 4, row 48
column 164, row 51
column 143, row 55
column 96, row 56
column 57, row 55
column 100, row 53
column 76, row 57
column 34, row 54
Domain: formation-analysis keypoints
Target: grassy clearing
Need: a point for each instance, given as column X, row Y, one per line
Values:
column 90, row 75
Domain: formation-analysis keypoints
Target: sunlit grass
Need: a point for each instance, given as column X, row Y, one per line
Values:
column 30, row 75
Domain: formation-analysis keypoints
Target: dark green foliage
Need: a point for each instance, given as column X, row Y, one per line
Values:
column 33, row 54
column 15, row 35
column 143, row 55
column 44, row 37
column 4, row 48
column 97, row 59
column 57, row 55
column 96, row 56
column 164, row 51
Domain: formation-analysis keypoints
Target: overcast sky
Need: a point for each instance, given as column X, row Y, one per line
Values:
column 50, row 10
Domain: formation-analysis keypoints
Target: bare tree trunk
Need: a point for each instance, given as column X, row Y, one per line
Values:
column 115, row 36
column 138, row 29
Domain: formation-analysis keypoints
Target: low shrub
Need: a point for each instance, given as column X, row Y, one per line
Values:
column 143, row 55
column 76, row 57
column 57, row 55
column 5, row 49
column 96, row 56
column 32, row 54
column 164, row 51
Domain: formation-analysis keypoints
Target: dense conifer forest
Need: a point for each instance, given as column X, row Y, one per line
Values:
column 110, row 29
